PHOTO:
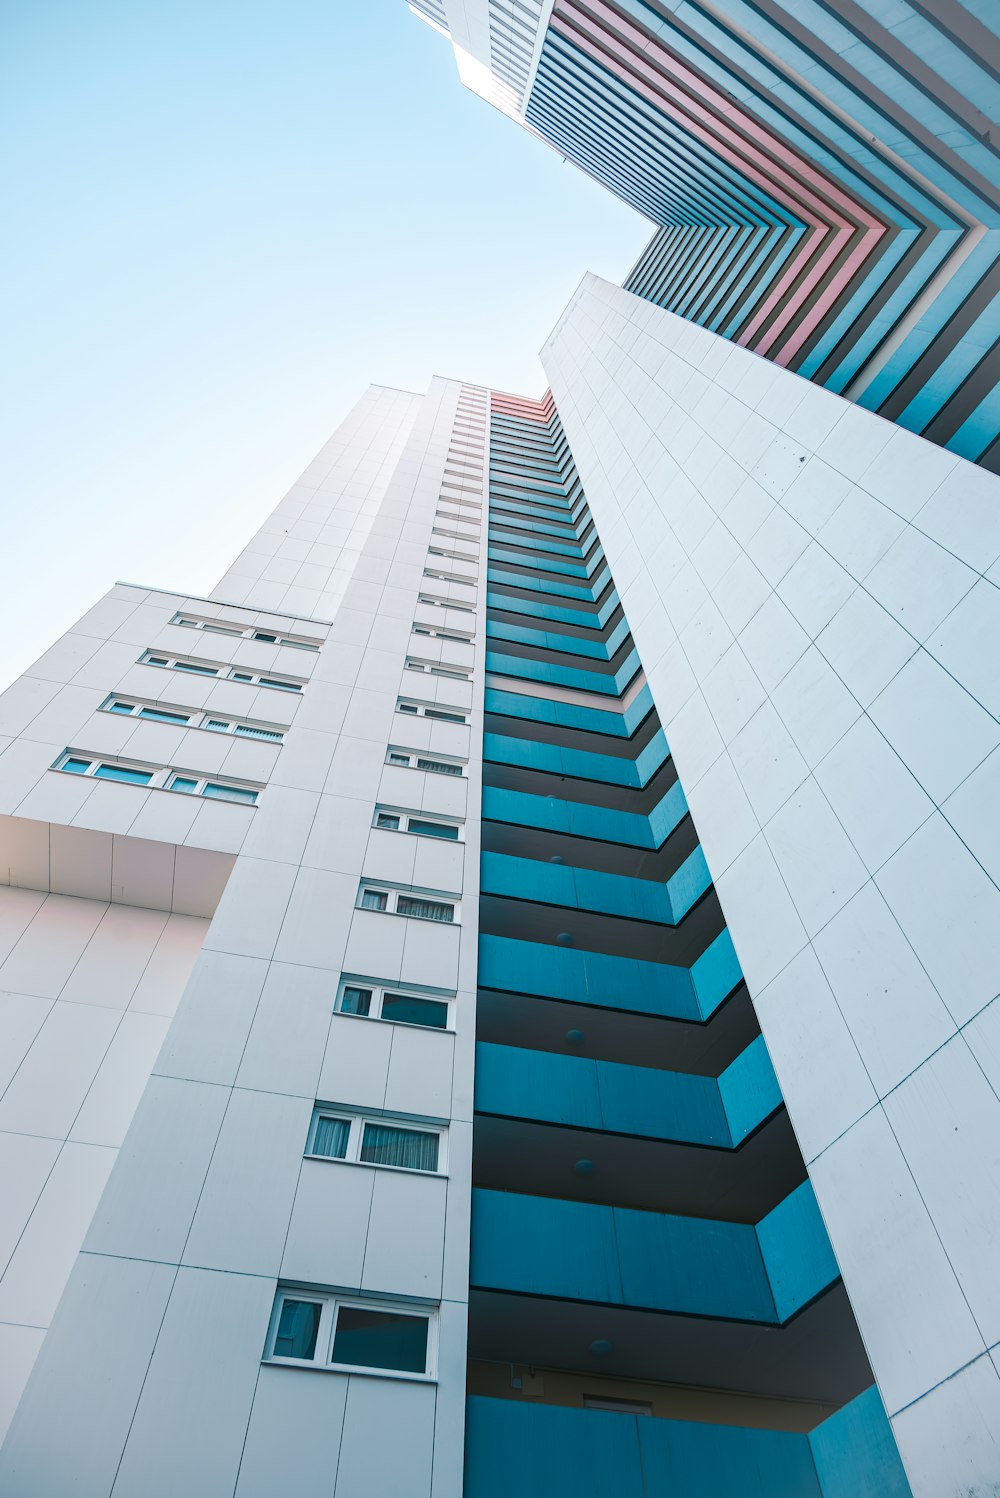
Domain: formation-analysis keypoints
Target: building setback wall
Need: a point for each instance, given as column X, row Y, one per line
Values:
column 813, row 593
column 155, row 1360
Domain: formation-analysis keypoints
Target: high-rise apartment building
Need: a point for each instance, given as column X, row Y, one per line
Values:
column 502, row 996
column 824, row 175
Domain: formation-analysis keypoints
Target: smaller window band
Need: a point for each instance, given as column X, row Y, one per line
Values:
column 158, row 778
column 190, row 717
column 220, row 671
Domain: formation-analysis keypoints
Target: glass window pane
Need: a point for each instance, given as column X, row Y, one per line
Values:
column 259, row 635
column 78, row 766
column 197, row 670
column 439, row 766
column 298, row 1326
column 432, row 829
column 257, row 733
column 411, row 1011
column 229, row 792
column 285, row 686
column 406, row 707
column 399, row 759
column 182, row 783
column 387, row 821
column 241, row 676
column 380, row 1339
column 218, row 629
column 155, row 660
column 414, row 1149
column 120, row 707
column 330, row 1137
column 434, row 712
column 120, row 772
column 428, row 910
column 356, row 1000
column 374, row 899
column 158, row 715
column 216, row 724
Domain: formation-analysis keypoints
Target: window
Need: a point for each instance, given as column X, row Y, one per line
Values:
column 130, row 707
column 375, row 1002
column 358, row 1140
column 354, row 1000
column 407, row 1009
column 406, row 759
column 159, row 778
column 269, row 637
column 439, row 766
column 421, row 826
column 426, row 910
column 622, row 1406
column 328, row 1331
column 217, row 669
column 123, row 772
column 427, row 710
column 394, row 902
column 412, row 664
column 424, row 828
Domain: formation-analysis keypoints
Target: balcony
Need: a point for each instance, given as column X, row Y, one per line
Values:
column 555, row 1451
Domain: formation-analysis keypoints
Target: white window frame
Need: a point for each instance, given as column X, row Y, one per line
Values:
column 165, row 660
column 379, row 991
column 392, row 894
column 434, row 668
column 467, row 579
column 355, row 1139
column 161, row 776
column 406, row 816
column 196, row 717
column 330, row 1304
column 413, row 756
column 245, row 632
column 444, row 603
column 454, row 556
column 435, row 633
column 458, row 717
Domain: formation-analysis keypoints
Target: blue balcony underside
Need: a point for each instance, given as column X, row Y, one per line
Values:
column 661, row 904
column 649, row 1175
column 662, row 1347
column 550, row 1451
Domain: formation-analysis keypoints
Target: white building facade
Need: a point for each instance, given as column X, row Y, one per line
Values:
column 725, row 769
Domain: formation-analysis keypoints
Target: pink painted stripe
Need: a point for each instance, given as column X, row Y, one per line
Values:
column 764, row 158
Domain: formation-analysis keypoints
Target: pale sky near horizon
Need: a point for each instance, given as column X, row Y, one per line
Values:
column 224, row 222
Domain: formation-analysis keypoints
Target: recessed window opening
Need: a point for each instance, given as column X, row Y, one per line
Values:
column 223, row 672
column 158, row 777
column 412, row 759
column 376, row 1001
column 399, row 902
column 323, row 1330
column 430, row 710
column 130, row 707
column 397, row 1144
column 421, row 825
column 248, row 632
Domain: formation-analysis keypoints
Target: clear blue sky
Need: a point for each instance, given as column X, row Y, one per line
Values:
column 224, row 220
